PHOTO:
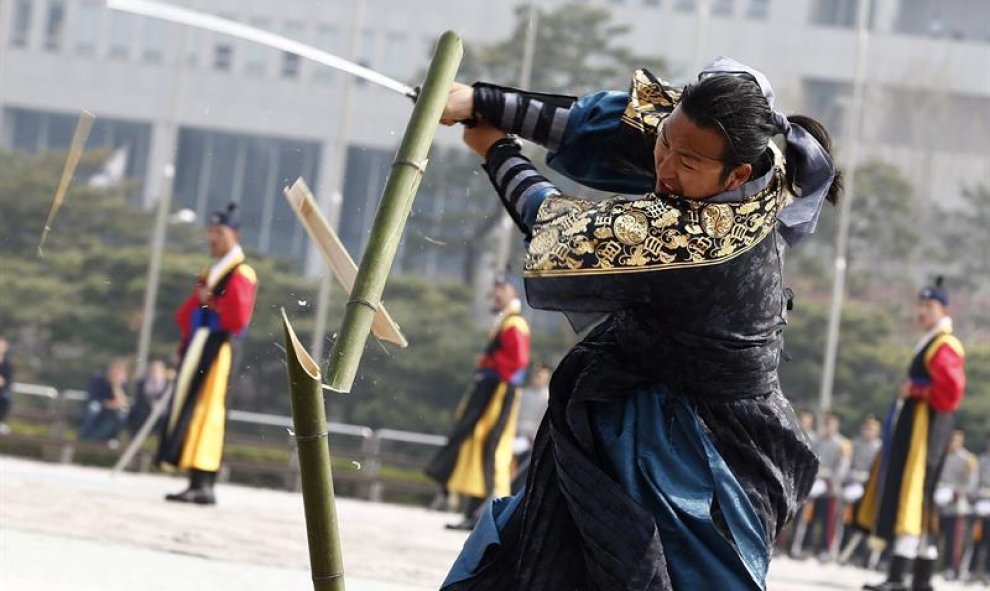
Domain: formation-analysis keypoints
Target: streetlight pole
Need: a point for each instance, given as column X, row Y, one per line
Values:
column 854, row 118
column 505, row 230
column 158, row 235
column 701, row 36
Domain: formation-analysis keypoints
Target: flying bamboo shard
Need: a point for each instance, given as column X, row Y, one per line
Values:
column 310, row 421
column 336, row 256
column 83, row 126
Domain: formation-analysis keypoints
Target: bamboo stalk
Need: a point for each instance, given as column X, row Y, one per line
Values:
column 397, row 198
column 310, row 421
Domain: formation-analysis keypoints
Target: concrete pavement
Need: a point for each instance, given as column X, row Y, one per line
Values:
column 72, row 528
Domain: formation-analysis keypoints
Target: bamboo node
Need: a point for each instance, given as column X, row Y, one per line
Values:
column 420, row 166
column 363, row 302
column 317, row 579
column 306, row 437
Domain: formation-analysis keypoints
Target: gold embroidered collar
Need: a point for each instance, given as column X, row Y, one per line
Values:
column 651, row 233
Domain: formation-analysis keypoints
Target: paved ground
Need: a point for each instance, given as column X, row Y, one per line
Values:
column 68, row 528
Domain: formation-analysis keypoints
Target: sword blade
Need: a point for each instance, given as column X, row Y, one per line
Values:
column 209, row 22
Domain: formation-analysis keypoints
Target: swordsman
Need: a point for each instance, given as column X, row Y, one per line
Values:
column 668, row 458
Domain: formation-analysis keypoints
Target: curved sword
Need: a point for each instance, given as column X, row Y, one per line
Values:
column 209, row 22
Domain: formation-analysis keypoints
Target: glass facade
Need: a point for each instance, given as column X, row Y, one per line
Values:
column 214, row 168
column 20, row 32
column 55, row 25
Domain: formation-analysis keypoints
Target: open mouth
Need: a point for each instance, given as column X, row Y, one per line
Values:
column 663, row 187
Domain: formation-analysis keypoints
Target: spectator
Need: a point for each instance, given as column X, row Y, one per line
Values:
column 981, row 505
column 148, row 392
column 106, row 407
column 834, row 452
column 959, row 474
column 6, row 383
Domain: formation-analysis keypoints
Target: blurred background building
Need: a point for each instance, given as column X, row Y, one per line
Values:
column 251, row 119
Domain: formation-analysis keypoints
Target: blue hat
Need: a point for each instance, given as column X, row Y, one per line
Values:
column 935, row 292
column 227, row 218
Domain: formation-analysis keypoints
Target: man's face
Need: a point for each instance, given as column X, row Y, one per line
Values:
column 688, row 160
column 870, row 430
column 156, row 371
column 832, row 426
column 807, row 421
column 117, row 373
column 541, row 377
column 928, row 313
column 502, row 294
column 957, row 441
column 221, row 239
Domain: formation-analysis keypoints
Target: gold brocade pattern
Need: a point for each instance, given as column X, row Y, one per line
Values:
column 650, row 99
column 652, row 233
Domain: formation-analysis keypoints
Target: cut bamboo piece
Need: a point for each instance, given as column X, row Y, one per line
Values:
column 336, row 256
column 83, row 126
column 310, row 421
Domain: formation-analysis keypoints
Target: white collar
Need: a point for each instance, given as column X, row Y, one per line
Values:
column 219, row 269
column 513, row 307
column 944, row 325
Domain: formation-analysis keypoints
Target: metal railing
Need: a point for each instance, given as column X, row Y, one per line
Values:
column 56, row 412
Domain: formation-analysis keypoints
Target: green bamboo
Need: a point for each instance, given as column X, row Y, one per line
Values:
column 310, row 421
column 397, row 198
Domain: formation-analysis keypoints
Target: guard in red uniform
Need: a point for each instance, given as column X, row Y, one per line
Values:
column 899, row 504
column 211, row 319
column 476, row 462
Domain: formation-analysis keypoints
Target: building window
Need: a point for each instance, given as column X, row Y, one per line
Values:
column 121, row 28
column 841, row 13
column 290, row 61
column 328, row 40
column 396, row 62
column 192, row 41
column 722, row 7
column 684, row 6
column 256, row 54
column 223, row 54
column 759, row 9
column 55, row 25
column 156, row 33
column 88, row 27
column 212, row 167
column 20, row 35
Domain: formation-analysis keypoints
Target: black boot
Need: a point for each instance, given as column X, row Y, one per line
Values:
column 923, row 570
column 200, row 489
column 895, row 576
column 472, row 507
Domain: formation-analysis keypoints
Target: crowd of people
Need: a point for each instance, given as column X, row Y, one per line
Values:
column 826, row 528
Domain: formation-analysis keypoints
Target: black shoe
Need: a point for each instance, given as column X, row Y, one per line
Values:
column 200, row 490
column 887, row 586
column 895, row 576
column 198, row 496
column 465, row 525
column 923, row 571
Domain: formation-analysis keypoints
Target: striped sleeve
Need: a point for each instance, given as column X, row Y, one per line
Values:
column 520, row 187
column 538, row 117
